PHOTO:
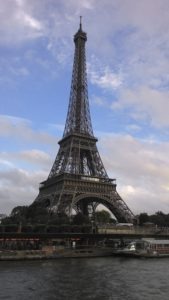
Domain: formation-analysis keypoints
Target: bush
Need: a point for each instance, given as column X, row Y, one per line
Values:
column 11, row 228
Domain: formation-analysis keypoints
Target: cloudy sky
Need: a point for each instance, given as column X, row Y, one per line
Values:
column 128, row 80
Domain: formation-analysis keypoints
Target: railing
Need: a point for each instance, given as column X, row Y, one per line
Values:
column 66, row 228
column 111, row 229
column 44, row 228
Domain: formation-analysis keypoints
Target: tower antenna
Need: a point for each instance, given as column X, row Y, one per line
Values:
column 80, row 22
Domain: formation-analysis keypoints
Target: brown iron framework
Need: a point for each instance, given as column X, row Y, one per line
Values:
column 78, row 179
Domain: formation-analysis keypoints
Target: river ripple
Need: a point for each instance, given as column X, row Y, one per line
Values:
column 82, row 279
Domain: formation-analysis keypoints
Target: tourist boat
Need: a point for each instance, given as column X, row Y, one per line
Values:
column 145, row 248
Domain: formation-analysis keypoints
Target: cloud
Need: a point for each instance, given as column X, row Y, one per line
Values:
column 17, row 23
column 99, row 101
column 105, row 78
column 136, row 44
column 5, row 163
column 32, row 158
column 58, row 127
column 21, row 129
column 127, row 51
column 12, row 71
column 18, row 187
column 141, row 169
column 36, row 157
column 132, row 48
column 133, row 128
column 145, row 103
column 21, row 171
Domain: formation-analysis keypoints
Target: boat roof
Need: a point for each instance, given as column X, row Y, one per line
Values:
column 157, row 242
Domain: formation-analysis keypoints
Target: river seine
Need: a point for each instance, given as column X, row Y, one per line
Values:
column 108, row 278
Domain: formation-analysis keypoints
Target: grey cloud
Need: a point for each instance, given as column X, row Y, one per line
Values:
column 21, row 129
column 140, row 167
column 140, row 51
column 135, row 44
column 34, row 157
column 17, row 24
column 141, row 170
column 18, row 187
column 145, row 103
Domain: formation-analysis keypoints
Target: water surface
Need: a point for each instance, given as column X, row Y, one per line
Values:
column 94, row 278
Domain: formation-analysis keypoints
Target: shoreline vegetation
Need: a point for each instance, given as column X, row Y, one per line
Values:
column 26, row 242
column 29, row 216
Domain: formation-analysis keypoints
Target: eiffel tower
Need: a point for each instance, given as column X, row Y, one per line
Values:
column 78, row 180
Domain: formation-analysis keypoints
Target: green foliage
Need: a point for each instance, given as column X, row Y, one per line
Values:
column 27, row 214
column 19, row 211
column 80, row 219
column 159, row 218
column 35, row 214
column 6, row 221
column 17, row 216
column 11, row 228
column 143, row 218
column 40, row 228
column 103, row 216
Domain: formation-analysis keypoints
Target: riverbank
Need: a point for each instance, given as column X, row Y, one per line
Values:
column 52, row 252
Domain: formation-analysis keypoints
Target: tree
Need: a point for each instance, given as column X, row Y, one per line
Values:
column 37, row 213
column 143, row 218
column 58, row 219
column 159, row 218
column 80, row 219
column 19, row 211
column 103, row 216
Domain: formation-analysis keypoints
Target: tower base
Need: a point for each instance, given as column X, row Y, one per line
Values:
column 67, row 192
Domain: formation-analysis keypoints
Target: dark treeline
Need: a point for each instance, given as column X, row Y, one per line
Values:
column 159, row 218
column 37, row 214
column 38, row 219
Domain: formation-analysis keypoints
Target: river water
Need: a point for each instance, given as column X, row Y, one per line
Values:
column 109, row 278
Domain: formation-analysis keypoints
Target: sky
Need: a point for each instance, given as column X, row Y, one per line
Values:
column 128, row 83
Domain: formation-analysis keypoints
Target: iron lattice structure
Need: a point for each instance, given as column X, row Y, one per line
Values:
column 78, row 179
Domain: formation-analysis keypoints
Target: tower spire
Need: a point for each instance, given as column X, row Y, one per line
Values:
column 78, row 116
column 80, row 27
